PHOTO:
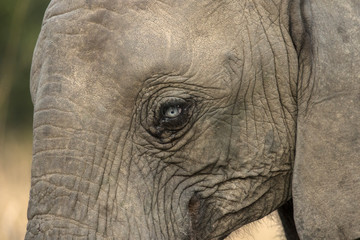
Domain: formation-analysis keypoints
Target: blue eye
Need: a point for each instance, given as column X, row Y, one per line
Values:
column 171, row 116
column 172, row 111
column 174, row 114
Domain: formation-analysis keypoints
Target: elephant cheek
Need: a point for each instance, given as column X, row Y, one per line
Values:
column 235, row 203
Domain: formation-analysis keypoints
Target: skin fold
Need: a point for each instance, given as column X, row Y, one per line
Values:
column 165, row 119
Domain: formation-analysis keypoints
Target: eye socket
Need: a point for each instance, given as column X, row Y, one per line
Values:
column 168, row 118
column 173, row 115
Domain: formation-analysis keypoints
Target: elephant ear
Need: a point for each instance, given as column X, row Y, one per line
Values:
column 326, row 182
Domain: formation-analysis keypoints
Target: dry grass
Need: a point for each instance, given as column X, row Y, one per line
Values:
column 15, row 162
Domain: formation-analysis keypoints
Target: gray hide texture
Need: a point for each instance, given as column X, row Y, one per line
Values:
column 326, row 182
column 189, row 119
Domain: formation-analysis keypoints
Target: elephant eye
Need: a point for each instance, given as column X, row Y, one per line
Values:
column 172, row 111
column 173, row 114
column 168, row 118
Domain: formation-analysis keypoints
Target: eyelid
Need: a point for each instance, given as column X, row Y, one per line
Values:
column 166, row 129
column 177, row 122
column 168, row 102
column 165, row 107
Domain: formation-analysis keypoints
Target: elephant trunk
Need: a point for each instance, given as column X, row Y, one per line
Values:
column 73, row 185
column 66, row 197
column 86, row 178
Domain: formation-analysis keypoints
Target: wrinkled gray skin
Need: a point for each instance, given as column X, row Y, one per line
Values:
column 254, row 81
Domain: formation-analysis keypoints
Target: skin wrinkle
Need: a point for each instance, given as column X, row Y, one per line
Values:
column 175, row 85
column 172, row 233
column 169, row 146
column 270, row 112
column 176, row 227
column 243, row 209
column 44, row 175
column 293, row 93
column 254, row 82
column 157, row 201
column 78, row 187
column 272, row 117
column 48, row 99
column 299, row 29
column 38, row 215
column 58, row 174
column 171, row 188
column 106, row 152
column 172, row 212
column 250, row 203
column 233, row 108
column 117, row 170
column 70, row 220
column 72, row 150
column 74, row 130
column 278, row 94
column 53, row 8
column 177, row 204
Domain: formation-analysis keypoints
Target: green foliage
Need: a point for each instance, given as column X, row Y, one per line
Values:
column 20, row 26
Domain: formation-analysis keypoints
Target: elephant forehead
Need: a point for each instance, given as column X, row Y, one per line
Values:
column 146, row 36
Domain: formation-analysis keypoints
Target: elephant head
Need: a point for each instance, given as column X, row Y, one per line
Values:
column 171, row 119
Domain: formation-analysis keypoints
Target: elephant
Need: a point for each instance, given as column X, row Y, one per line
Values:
column 164, row 119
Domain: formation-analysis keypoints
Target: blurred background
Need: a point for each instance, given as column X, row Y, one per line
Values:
column 20, row 22
column 20, row 25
